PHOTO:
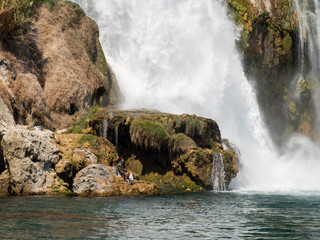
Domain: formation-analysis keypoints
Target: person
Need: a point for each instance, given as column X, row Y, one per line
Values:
column 122, row 171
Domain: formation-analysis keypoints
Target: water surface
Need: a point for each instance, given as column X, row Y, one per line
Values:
column 230, row 215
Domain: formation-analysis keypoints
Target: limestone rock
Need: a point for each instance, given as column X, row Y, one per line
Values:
column 95, row 180
column 30, row 157
column 137, row 188
column 78, row 151
column 55, row 69
column 4, row 183
column 5, row 114
column 100, row 180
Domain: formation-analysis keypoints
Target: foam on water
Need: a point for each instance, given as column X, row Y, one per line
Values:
column 180, row 57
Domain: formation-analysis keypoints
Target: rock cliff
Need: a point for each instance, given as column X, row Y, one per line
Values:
column 270, row 45
column 53, row 67
column 52, row 72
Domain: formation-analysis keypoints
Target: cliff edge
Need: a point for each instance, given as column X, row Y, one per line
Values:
column 52, row 67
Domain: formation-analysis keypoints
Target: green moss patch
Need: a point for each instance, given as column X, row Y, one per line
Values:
column 171, row 183
column 148, row 134
column 82, row 124
column 181, row 143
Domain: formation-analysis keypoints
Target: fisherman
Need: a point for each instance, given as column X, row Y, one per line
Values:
column 122, row 171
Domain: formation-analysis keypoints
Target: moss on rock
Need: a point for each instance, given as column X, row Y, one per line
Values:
column 148, row 134
column 158, row 146
column 180, row 143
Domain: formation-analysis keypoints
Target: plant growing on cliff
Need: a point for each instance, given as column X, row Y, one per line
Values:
column 14, row 13
column 148, row 134
column 78, row 126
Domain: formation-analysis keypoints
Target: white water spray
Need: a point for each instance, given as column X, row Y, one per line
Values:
column 180, row 57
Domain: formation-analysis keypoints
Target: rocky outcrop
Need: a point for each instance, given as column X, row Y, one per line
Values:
column 164, row 153
column 159, row 146
column 270, row 46
column 78, row 151
column 53, row 67
column 100, row 180
column 34, row 162
column 29, row 157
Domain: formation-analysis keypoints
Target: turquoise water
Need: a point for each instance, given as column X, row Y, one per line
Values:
column 230, row 215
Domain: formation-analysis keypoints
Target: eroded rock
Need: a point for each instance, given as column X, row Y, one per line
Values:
column 30, row 157
column 100, row 180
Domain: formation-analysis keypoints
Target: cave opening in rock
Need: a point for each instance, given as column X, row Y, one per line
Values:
column 73, row 109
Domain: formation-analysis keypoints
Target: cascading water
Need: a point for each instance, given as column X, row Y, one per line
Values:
column 309, row 54
column 180, row 57
column 117, row 135
column 104, row 129
column 218, row 173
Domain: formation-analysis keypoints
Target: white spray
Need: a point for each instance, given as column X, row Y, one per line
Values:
column 180, row 57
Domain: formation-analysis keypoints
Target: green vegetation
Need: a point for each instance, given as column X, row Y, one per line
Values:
column 148, row 134
column 78, row 126
column 88, row 138
column 192, row 126
column 171, row 183
column 287, row 45
column 14, row 13
column 304, row 87
column 181, row 143
column 134, row 165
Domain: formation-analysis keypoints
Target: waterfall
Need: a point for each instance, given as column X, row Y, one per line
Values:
column 117, row 135
column 218, row 173
column 309, row 38
column 104, row 129
column 180, row 56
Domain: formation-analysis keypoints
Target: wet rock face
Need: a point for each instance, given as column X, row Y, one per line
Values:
column 53, row 67
column 270, row 46
column 29, row 159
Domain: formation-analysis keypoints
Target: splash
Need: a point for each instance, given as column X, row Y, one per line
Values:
column 180, row 57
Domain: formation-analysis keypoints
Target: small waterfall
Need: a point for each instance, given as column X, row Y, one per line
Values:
column 309, row 53
column 218, row 173
column 117, row 135
column 104, row 129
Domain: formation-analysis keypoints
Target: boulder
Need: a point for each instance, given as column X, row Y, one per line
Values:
column 78, row 151
column 30, row 156
column 95, row 180
column 102, row 181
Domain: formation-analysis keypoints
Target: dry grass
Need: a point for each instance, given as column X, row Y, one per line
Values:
column 13, row 13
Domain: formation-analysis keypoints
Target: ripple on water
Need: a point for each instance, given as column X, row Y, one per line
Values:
column 226, row 215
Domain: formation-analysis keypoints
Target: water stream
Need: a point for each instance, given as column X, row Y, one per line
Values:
column 218, row 173
column 180, row 57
